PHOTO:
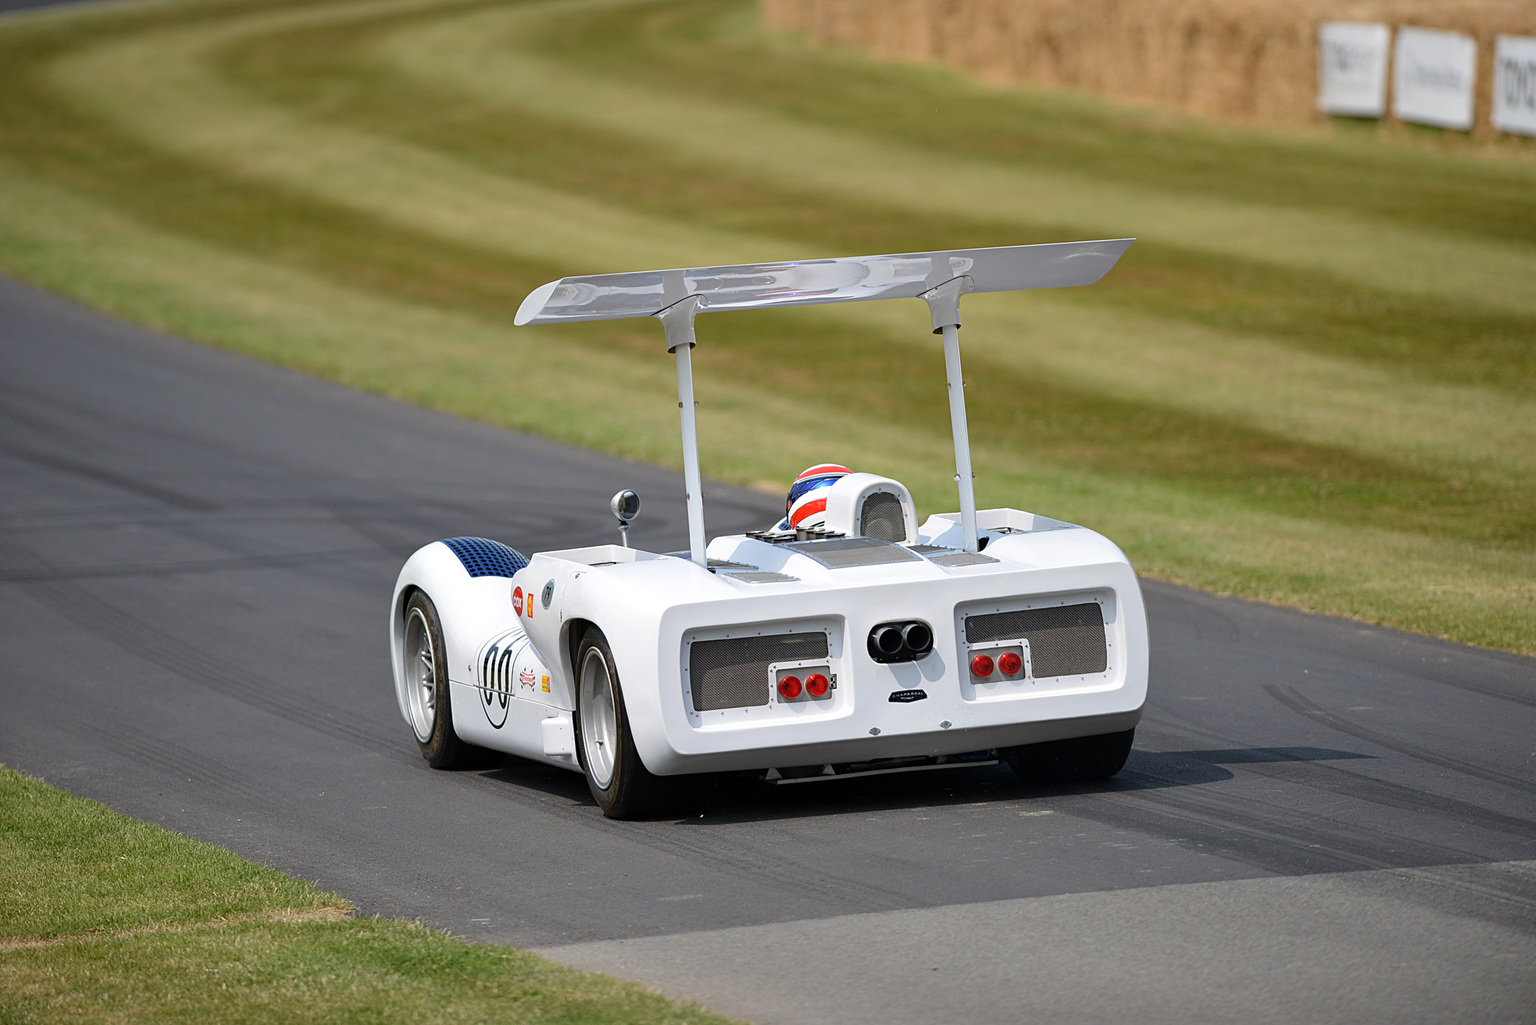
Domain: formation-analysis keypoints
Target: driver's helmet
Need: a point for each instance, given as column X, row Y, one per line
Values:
column 806, row 505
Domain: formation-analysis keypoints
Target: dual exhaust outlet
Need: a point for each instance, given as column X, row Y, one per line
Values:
column 904, row 641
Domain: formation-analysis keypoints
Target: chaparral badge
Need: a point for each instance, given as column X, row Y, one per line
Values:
column 777, row 651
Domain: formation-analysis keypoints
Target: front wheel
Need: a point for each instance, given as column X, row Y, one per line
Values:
column 1079, row 760
column 425, row 663
column 620, row 783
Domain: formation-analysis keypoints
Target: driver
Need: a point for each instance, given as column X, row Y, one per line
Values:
column 805, row 505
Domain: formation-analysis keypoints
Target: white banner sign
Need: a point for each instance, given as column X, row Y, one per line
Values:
column 1352, row 68
column 1432, row 77
column 1514, row 85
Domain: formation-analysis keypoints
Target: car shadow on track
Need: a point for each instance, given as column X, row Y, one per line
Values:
column 740, row 798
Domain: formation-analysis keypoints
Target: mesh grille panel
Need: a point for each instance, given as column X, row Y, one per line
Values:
column 852, row 551
column 883, row 517
column 961, row 559
column 486, row 558
column 733, row 672
column 1067, row 640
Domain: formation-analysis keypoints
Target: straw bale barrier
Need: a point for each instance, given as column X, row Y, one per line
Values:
column 1248, row 60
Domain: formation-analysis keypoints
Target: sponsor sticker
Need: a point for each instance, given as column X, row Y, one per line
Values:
column 517, row 600
column 545, row 684
column 526, row 678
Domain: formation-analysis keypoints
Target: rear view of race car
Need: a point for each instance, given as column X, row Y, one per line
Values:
column 846, row 638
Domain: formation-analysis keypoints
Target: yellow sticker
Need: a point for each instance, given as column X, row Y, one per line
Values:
column 546, row 685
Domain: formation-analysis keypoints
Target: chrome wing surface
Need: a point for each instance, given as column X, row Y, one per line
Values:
column 804, row 282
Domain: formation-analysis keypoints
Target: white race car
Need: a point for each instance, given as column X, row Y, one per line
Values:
column 846, row 639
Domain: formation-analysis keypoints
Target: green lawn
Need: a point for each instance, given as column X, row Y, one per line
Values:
column 105, row 919
column 1313, row 380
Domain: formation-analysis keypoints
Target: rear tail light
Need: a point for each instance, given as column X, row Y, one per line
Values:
column 815, row 685
column 981, row 667
column 789, row 687
column 1010, row 663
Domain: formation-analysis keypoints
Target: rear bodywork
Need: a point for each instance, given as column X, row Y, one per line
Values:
column 756, row 651
column 700, row 650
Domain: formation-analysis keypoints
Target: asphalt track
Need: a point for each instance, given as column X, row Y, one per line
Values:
column 1321, row 821
column 27, row 5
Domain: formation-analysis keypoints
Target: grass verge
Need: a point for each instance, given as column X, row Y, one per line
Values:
column 105, row 918
column 1313, row 380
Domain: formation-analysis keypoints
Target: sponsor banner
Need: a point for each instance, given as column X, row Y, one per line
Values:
column 1352, row 68
column 1432, row 77
column 1514, row 84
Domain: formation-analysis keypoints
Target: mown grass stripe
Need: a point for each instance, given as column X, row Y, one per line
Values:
column 303, row 183
column 498, row 54
column 329, row 62
column 713, row 48
column 331, row 71
column 1073, row 423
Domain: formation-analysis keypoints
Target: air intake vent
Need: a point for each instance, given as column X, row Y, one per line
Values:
column 883, row 518
column 733, row 672
column 1067, row 640
column 485, row 558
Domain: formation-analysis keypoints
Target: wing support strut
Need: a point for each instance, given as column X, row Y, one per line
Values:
column 939, row 278
column 677, row 319
column 944, row 303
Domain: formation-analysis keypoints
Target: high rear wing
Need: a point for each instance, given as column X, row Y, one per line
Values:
column 674, row 297
column 804, row 282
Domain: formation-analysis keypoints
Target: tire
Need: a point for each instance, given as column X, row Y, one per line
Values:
column 620, row 783
column 1079, row 760
column 425, row 664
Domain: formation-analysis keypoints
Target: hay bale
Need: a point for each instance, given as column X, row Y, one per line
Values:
column 1244, row 60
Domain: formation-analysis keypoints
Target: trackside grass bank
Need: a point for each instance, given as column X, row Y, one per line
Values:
column 104, row 918
column 1313, row 380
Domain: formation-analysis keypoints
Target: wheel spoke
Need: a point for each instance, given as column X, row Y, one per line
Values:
column 599, row 718
column 421, row 698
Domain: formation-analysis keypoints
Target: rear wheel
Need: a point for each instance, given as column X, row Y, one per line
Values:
column 1079, row 760
column 620, row 783
column 425, row 663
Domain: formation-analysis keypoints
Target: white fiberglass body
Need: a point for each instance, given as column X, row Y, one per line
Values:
column 702, row 642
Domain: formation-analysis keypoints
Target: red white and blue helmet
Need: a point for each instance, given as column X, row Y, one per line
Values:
column 806, row 504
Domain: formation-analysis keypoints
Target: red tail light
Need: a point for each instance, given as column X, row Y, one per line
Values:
column 816, row 685
column 981, row 666
column 789, row 687
column 1010, row 663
